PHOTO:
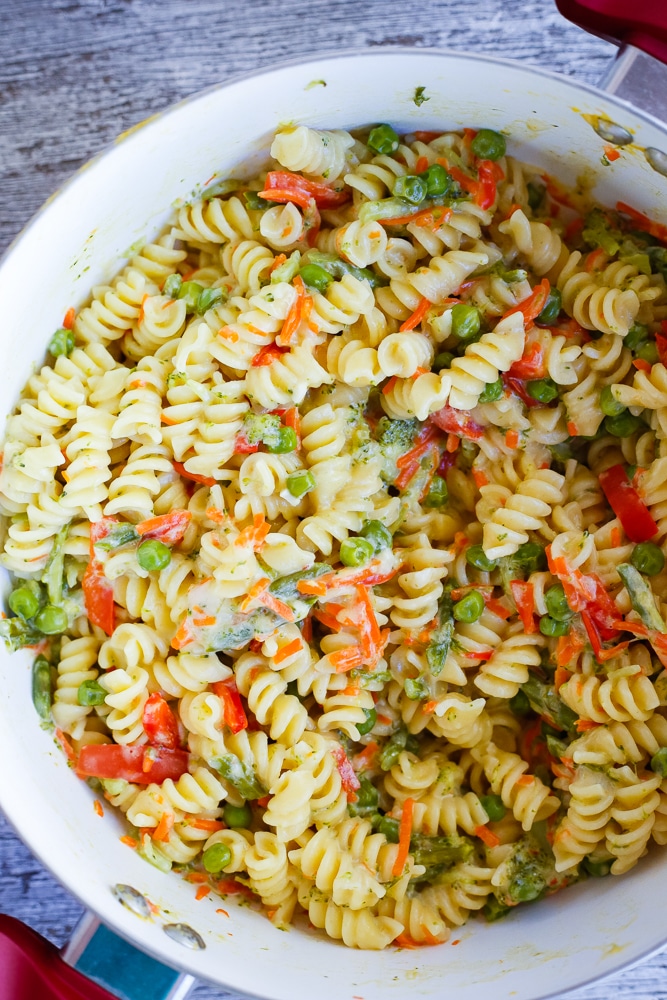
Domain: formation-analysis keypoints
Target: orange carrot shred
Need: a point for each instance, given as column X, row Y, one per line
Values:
column 315, row 587
column 202, row 892
column 224, row 912
column 129, row 842
column 98, row 807
column 512, row 438
column 525, row 780
column 289, row 649
column 163, row 829
column 417, row 316
column 487, row 836
column 615, row 537
column 404, row 833
column 70, row 316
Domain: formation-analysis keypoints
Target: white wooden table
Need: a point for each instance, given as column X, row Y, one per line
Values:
column 75, row 73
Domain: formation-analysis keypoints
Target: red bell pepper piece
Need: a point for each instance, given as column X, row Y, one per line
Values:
column 454, row 422
column 234, row 712
column 98, row 597
column 349, row 779
column 267, row 355
column 193, row 476
column 531, row 307
column 524, row 598
column 140, row 765
column 160, row 724
column 531, row 365
column 661, row 344
column 518, row 386
column 168, row 528
column 627, row 504
column 282, row 186
column 488, row 173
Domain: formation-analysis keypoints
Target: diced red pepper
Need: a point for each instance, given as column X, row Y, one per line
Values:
column 234, row 712
column 193, row 476
column 280, row 185
column 454, row 422
column 267, row 355
column 168, row 528
column 532, row 306
column 349, row 779
column 661, row 344
column 98, row 597
column 160, row 724
column 488, row 173
column 627, row 504
column 243, row 447
column 531, row 365
column 524, row 598
column 518, row 386
column 140, row 765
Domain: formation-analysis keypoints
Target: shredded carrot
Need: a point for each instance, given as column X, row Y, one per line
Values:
column 595, row 260
column 196, row 877
column 417, row 316
column 421, row 165
column 307, row 629
column 224, row 912
column 572, row 428
column 487, row 836
column 404, row 834
column 453, row 442
column 273, row 604
column 194, row 476
column 205, row 621
column 615, row 537
column 298, row 311
column 315, row 587
column 163, row 829
column 202, row 892
column 140, row 317
column 525, row 780
column 129, row 842
column 289, row 649
column 512, row 209
column 346, row 659
column 363, row 759
column 213, row 514
column 512, row 438
column 480, row 477
column 254, row 535
column 389, row 385
column 405, row 941
column 70, row 316
column 642, row 365
column 98, row 807
column 138, row 383
column 253, row 594
column 67, row 748
column 183, row 636
column 584, row 725
column 169, row 421
column 280, row 259
column 292, row 419
column 352, row 690
column 227, row 333
column 561, row 676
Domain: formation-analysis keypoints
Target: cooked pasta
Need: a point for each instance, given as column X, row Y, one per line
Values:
column 338, row 521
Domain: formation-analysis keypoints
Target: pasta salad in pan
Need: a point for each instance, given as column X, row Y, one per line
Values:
column 336, row 524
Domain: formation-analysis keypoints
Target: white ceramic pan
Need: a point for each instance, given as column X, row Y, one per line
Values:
column 80, row 239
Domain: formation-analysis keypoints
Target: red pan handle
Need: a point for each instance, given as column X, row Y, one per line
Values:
column 641, row 23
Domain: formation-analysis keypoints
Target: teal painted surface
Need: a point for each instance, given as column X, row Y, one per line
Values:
column 126, row 972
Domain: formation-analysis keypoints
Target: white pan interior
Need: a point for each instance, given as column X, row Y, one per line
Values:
column 81, row 239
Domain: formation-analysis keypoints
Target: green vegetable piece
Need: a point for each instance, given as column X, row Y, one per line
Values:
column 552, row 308
column 383, row 139
column 62, row 342
column 415, row 688
column 391, row 750
column 209, row 298
column 285, row 442
column 438, row 181
column 648, row 352
column 557, row 748
column 469, row 608
column 371, row 719
column 240, row 775
column 412, row 187
column 437, row 851
column 300, row 483
column 493, row 909
column 530, row 557
column 26, row 599
column 598, row 869
column 641, row 597
column 119, row 535
column 440, row 643
column 419, row 96
column 438, row 494
column 285, row 588
column 492, row 391
column 556, row 603
column 18, row 633
column 648, row 558
column 53, row 574
column 338, row 268
column 261, row 427
column 237, row 816
column 544, row 390
column 41, row 687
column 525, row 887
column 536, row 195
column 51, row 620
column 216, row 858
column 172, row 286
column 599, row 231
column 477, row 557
column 288, row 269
column 494, row 806
column 190, row 292
column 549, row 626
column 659, row 762
column 367, row 800
column 378, row 535
column 610, row 406
column 488, row 144
column 442, row 360
column 519, row 704
column 387, row 826
column 624, row 425
column 222, row 188
column 153, row 554
column 356, row 551
column 544, row 701
column 637, row 333
column 316, row 277
column 466, row 321
column 255, row 203
column 90, row 693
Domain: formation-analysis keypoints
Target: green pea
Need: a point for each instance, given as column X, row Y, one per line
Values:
column 216, row 858
column 438, row 494
column 552, row 308
column 492, row 391
column 542, row 389
column 531, row 557
column 371, row 719
column 412, row 187
column 624, row 425
column 237, row 815
column 389, row 827
column 442, row 360
column 648, row 558
column 285, row 441
column 376, row 533
column 62, row 342
column 41, row 687
column 659, row 762
column 356, row 551
column 437, row 179
column 300, row 483
column 488, row 144
column 556, row 603
column 208, row 298
column 637, row 333
column 90, row 693
column 153, row 554
column 609, row 405
column 525, row 888
column 536, row 195
column 549, row 626
column 172, row 286
column 383, row 139
column 25, row 600
column 477, row 557
column 469, row 608
column 466, row 321
column 520, row 704
column 648, row 352
column 494, row 807
column 190, row 292
column 598, row 869
column 316, row 277
column 51, row 620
